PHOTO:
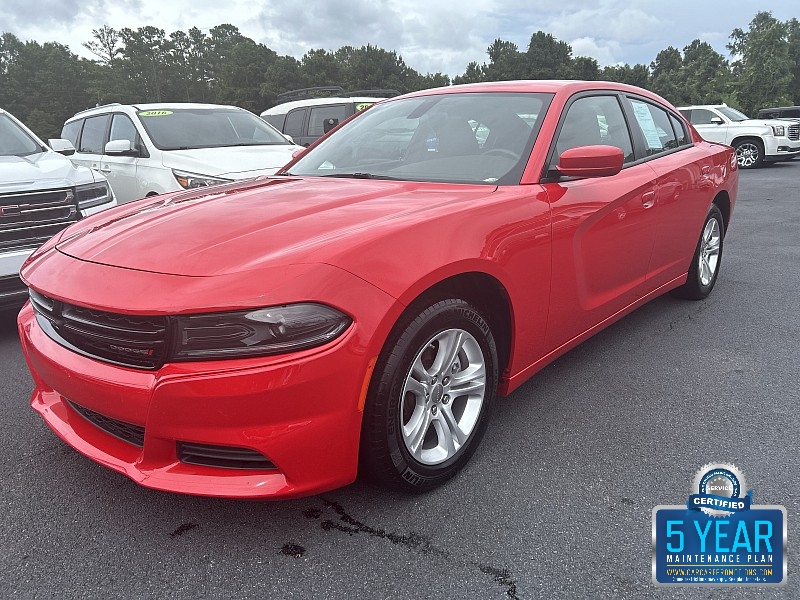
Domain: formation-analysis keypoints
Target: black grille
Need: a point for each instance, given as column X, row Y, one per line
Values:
column 127, row 432
column 127, row 340
column 794, row 132
column 227, row 457
column 29, row 219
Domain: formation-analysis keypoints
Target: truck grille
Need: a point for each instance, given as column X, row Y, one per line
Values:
column 794, row 132
column 29, row 219
column 127, row 340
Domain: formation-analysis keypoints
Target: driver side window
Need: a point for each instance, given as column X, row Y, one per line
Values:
column 595, row 120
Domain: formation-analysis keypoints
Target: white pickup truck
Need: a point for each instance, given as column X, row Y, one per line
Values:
column 756, row 140
column 41, row 192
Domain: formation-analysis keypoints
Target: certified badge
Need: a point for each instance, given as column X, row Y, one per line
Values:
column 719, row 490
column 719, row 537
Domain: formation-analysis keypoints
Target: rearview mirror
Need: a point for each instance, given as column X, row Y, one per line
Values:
column 716, row 121
column 590, row 161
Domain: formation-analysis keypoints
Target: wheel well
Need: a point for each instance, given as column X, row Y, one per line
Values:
column 723, row 202
column 748, row 137
column 486, row 294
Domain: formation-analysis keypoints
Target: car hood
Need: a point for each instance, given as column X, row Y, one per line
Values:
column 237, row 162
column 44, row 170
column 762, row 122
column 239, row 227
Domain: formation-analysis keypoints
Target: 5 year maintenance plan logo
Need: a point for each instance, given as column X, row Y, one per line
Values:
column 719, row 537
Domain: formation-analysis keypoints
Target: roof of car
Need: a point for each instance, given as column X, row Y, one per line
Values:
column 702, row 106
column 151, row 106
column 287, row 106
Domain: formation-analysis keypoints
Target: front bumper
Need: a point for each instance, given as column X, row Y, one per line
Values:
column 780, row 148
column 301, row 412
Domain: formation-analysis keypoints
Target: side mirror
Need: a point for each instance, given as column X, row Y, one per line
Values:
column 61, row 146
column 120, row 147
column 590, row 161
column 329, row 124
column 716, row 121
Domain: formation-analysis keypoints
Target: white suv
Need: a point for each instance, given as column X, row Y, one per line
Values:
column 41, row 192
column 306, row 117
column 756, row 140
column 148, row 149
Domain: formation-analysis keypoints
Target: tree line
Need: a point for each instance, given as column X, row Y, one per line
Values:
column 44, row 84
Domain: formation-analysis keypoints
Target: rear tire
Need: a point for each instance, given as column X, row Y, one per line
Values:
column 707, row 258
column 430, row 399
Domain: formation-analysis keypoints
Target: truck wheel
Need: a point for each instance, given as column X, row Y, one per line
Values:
column 749, row 153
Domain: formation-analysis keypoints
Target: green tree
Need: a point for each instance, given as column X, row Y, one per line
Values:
column 585, row 68
column 706, row 73
column 667, row 78
column 506, row 62
column 638, row 75
column 547, row 57
column 473, row 74
column 764, row 67
column 793, row 27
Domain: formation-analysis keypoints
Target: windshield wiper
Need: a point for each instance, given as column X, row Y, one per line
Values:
column 360, row 176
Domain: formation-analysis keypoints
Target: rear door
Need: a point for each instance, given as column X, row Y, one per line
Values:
column 683, row 188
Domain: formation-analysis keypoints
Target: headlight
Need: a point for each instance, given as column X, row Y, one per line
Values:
column 93, row 194
column 193, row 180
column 260, row 332
column 778, row 130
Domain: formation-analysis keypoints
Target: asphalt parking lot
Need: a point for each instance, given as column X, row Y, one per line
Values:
column 556, row 502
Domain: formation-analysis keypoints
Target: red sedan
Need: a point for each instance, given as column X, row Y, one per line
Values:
column 365, row 306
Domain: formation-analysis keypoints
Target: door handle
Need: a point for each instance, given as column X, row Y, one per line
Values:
column 648, row 199
column 705, row 169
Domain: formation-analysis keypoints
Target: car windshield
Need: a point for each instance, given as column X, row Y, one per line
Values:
column 190, row 128
column 733, row 114
column 483, row 138
column 15, row 141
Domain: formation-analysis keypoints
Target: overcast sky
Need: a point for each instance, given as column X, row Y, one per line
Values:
column 431, row 35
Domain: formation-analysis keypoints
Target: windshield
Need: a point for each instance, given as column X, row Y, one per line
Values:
column 15, row 141
column 464, row 137
column 733, row 114
column 190, row 128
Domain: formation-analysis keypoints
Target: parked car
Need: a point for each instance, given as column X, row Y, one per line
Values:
column 371, row 299
column 781, row 112
column 305, row 117
column 756, row 141
column 41, row 193
column 148, row 149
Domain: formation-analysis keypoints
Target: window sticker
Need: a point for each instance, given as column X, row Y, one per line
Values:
column 362, row 105
column 645, row 119
column 155, row 113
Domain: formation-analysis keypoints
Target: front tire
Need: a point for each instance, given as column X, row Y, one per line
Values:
column 749, row 153
column 707, row 258
column 430, row 398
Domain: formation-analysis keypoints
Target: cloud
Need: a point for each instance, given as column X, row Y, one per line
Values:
column 606, row 53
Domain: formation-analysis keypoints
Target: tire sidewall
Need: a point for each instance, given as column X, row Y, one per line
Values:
column 694, row 273
column 439, row 317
